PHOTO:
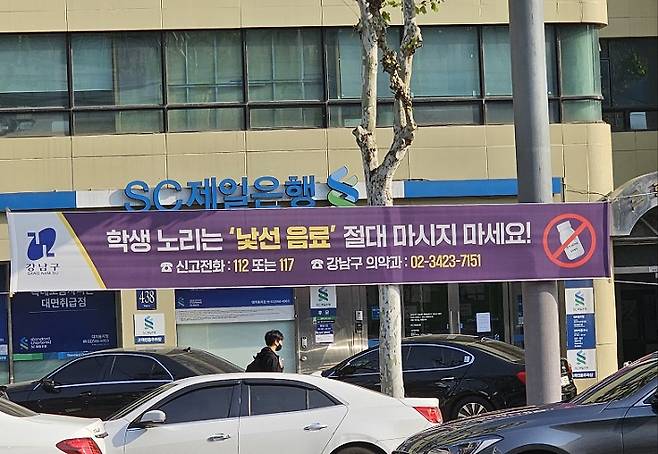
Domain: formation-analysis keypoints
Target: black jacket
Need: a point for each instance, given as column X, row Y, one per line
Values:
column 265, row 361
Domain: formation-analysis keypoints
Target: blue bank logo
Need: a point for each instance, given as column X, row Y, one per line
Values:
column 42, row 244
column 149, row 323
column 580, row 300
column 342, row 190
column 581, row 358
column 24, row 343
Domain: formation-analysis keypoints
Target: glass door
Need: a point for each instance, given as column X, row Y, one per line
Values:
column 481, row 310
column 426, row 309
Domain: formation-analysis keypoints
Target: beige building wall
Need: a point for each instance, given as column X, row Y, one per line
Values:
column 85, row 15
column 631, row 18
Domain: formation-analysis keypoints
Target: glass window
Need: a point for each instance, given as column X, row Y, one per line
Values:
column 498, row 61
column 429, row 357
column 317, row 399
column 118, row 122
column 448, row 63
column 364, row 364
column 581, row 67
column 429, row 114
column 284, row 64
column 634, row 78
column 477, row 299
column 269, row 399
column 203, row 404
column 286, row 117
column 116, row 69
column 128, row 368
column 621, row 384
column 349, row 116
column 425, row 309
column 587, row 110
column 31, row 124
column 204, row 66
column 223, row 119
column 86, row 370
column 344, row 64
column 24, row 62
column 502, row 112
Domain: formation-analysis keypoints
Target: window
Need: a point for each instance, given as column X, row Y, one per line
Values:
column 225, row 119
column 436, row 357
column 581, row 70
column 317, row 399
column 448, row 63
column 203, row 404
column 129, row 368
column 24, row 60
column 364, row 364
column 85, row 370
column 269, row 399
column 284, row 65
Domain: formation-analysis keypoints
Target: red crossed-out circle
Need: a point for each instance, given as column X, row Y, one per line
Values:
column 553, row 256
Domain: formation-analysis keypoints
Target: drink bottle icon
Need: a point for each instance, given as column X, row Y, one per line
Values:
column 575, row 248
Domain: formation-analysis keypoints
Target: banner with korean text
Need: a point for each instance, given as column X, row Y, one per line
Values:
column 308, row 246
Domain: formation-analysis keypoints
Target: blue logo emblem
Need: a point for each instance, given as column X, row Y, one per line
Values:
column 342, row 193
column 581, row 359
column 42, row 244
column 24, row 343
column 149, row 323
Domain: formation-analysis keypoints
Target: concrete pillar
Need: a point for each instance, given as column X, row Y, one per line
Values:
column 606, row 328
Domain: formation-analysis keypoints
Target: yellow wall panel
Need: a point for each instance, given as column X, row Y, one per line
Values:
column 646, row 140
column 114, row 172
column 631, row 18
column 205, row 142
column 624, row 166
column 35, row 147
column 287, row 140
column 4, row 238
column 281, row 13
column 182, row 14
column 282, row 164
column 448, row 163
column 128, row 309
column 119, row 145
column 32, row 15
column 647, row 162
column 196, row 167
column 35, row 175
column 501, row 162
column 451, row 136
column 114, row 15
column 576, row 175
column 499, row 135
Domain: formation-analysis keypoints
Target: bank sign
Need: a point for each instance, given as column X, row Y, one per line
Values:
column 308, row 246
column 264, row 192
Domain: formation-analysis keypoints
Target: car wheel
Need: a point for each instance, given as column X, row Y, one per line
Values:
column 471, row 406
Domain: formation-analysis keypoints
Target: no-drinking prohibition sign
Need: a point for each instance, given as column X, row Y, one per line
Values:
column 574, row 249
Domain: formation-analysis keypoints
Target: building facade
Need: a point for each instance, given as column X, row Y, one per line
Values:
column 95, row 95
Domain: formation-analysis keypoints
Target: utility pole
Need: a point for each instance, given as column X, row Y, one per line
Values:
column 533, row 164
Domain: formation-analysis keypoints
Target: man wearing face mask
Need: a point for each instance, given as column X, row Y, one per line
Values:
column 267, row 360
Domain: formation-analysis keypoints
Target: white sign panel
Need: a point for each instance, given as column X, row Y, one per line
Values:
column 579, row 300
column 323, row 297
column 149, row 328
column 483, row 322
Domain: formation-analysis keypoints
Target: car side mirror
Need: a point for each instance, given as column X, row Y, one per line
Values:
column 49, row 385
column 152, row 418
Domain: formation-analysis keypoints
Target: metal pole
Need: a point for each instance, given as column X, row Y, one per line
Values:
column 10, row 342
column 533, row 163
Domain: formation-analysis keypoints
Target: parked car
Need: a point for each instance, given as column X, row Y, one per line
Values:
column 99, row 384
column 468, row 374
column 25, row 432
column 617, row 416
column 255, row 413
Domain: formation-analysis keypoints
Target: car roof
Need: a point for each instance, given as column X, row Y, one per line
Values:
column 164, row 351
column 462, row 339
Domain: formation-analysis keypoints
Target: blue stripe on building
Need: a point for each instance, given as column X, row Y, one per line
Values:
column 37, row 201
column 419, row 189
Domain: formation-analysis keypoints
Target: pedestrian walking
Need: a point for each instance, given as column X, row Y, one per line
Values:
column 267, row 360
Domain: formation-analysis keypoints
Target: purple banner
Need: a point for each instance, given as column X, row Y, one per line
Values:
column 323, row 246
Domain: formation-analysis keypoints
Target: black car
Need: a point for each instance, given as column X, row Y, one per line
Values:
column 99, row 384
column 617, row 416
column 469, row 375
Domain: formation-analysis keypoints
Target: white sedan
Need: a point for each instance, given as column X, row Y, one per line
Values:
column 251, row 413
column 25, row 432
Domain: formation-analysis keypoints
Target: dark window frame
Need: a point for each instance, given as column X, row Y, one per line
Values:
column 245, row 407
column 324, row 104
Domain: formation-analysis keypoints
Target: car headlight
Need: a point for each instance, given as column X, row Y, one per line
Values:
column 467, row 447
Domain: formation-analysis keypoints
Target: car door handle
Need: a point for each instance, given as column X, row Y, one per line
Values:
column 219, row 437
column 86, row 394
column 315, row 427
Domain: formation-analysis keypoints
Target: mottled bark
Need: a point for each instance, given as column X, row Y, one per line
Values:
column 397, row 64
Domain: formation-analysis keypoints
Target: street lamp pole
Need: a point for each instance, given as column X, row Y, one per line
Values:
column 533, row 164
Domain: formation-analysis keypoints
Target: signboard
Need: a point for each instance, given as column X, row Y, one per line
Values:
column 149, row 329
column 4, row 333
column 308, row 246
column 323, row 310
column 234, row 305
column 147, row 300
column 62, row 325
column 581, row 331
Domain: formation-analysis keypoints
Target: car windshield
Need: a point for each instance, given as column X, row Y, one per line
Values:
column 505, row 351
column 204, row 363
column 621, row 384
column 12, row 409
column 126, row 410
